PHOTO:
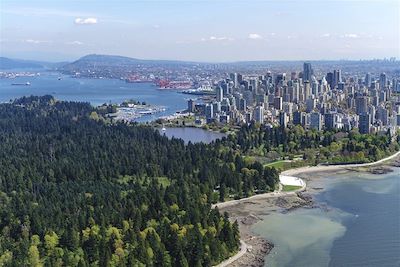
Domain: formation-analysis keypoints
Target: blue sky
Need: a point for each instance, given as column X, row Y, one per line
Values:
column 202, row 30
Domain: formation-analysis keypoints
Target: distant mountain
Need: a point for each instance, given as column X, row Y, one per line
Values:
column 110, row 61
column 8, row 63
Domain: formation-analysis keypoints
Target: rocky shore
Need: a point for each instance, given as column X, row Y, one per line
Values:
column 251, row 211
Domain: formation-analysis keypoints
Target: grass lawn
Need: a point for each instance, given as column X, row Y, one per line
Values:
column 280, row 164
column 287, row 188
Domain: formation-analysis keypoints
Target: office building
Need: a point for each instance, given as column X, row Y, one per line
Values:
column 307, row 72
column 191, row 106
column 259, row 114
column 364, row 122
column 316, row 121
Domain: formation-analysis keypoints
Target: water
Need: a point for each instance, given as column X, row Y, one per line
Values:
column 361, row 226
column 95, row 91
column 194, row 135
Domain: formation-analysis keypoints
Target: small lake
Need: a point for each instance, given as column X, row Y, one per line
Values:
column 359, row 226
column 194, row 135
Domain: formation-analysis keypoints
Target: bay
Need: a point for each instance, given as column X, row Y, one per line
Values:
column 95, row 91
column 358, row 226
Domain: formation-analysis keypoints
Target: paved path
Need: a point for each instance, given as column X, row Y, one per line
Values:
column 321, row 168
column 243, row 250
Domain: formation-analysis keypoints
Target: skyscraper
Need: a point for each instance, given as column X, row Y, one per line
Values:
column 330, row 120
column 307, row 71
column 278, row 102
column 361, row 104
column 220, row 93
column 368, row 79
column 337, row 77
column 283, row 119
column 316, row 121
column 259, row 114
column 382, row 81
column 364, row 121
column 329, row 79
column 191, row 105
column 209, row 111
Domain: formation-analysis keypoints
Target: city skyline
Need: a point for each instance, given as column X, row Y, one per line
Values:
column 204, row 31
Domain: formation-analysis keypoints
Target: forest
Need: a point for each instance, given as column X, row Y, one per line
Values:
column 78, row 190
column 313, row 147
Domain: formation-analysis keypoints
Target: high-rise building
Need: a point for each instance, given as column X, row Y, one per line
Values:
column 242, row 104
column 383, row 115
column 278, row 102
column 191, row 105
column 361, row 104
column 311, row 104
column 329, row 79
column 283, row 119
column 259, row 114
column 337, row 77
column 299, row 118
column 330, row 120
column 220, row 93
column 364, row 122
column 382, row 81
column 307, row 90
column 368, row 79
column 209, row 111
column 316, row 121
column 307, row 71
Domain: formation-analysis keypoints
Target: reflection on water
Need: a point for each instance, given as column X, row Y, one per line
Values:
column 194, row 135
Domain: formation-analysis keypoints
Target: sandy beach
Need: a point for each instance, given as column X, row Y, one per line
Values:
column 251, row 210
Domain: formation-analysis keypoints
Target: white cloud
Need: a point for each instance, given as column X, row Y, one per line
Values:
column 217, row 38
column 32, row 41
column 254, row 36
column 351, row 35
column 156, row 26
column 85, row 21
column 326, row 35
column 74, row 43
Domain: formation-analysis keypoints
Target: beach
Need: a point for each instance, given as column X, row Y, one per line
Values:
column 251, row 210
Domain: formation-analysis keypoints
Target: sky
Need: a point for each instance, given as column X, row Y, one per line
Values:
column 201, row 30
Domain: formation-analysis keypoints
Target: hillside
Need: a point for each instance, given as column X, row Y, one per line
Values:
column 8, row 63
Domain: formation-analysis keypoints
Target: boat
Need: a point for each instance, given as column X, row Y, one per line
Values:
column 26, row 84
column 163, row 129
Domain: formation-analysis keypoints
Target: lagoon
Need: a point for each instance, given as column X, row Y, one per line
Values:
column 192, row 134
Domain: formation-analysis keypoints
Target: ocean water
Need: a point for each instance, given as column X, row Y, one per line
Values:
column 95, row 91
column 359, row 225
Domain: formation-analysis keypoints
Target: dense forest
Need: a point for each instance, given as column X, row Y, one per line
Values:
column 77, row 190
column 312, row 146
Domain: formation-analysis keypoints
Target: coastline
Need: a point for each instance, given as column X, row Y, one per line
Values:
column 249, row 211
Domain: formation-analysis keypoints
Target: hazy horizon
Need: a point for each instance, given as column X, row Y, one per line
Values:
column 201, row 31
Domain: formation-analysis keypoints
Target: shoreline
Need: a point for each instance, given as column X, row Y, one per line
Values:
column 248, row 211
